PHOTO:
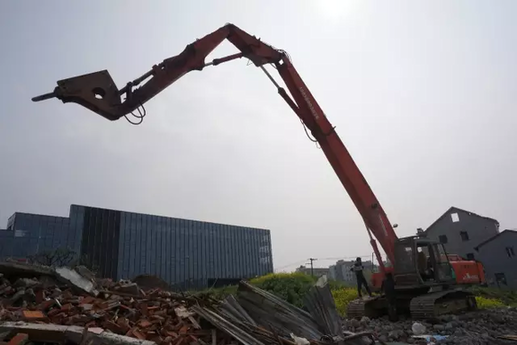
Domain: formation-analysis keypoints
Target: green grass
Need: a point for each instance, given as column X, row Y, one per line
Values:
column 342, row 297
column 488, row 303
column 293, row 287
column 506, row 297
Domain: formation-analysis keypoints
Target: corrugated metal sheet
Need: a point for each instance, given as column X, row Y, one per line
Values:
column 191, row 254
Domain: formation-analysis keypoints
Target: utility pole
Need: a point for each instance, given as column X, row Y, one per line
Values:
column 312, row 266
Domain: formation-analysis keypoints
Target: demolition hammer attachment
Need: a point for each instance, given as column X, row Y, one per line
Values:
column 95, row 91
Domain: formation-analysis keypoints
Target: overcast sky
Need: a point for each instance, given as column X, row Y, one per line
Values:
column 422, row 93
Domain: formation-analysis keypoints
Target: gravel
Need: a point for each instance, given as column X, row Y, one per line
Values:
column 474, row 328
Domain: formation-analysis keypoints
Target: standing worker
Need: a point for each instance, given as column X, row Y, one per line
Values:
column 388, row 287
column 359, row 276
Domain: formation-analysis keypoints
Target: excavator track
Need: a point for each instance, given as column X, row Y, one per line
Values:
column 428, row 306
column 371, row 307
column 434, row 304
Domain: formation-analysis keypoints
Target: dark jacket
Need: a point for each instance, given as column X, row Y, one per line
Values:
column 357, row 268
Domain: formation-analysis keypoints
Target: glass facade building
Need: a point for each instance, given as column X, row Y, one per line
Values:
column 187, row 254
column 28, row 234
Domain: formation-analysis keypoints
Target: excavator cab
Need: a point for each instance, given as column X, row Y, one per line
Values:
column 421, row 262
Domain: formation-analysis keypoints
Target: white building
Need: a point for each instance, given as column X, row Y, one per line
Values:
column 341, row 271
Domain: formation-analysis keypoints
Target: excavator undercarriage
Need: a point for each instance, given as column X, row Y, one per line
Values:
column 423, row 307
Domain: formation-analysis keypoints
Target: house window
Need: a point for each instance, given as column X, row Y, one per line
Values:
column 470, row 256
column 510, row 252
column 464, row 236
column 443, row 239
column 455, row 217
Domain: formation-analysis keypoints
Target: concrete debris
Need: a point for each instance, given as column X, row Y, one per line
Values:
column 129, row 288
column 25, row 273
column 300, row 341
column 72, row 277
column 85, row 272
column 418, row 328
column 23, row 270
column 20, row 332
column 508, row 337
column 431, row 339
column 473, row 328
column 75, row 307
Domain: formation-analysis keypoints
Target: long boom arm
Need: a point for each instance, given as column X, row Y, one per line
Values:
column 98, row 92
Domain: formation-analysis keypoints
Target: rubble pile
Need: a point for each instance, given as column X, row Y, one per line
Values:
column 35, row 300
column 473, row 328
column 63, row 305
column 121, row 308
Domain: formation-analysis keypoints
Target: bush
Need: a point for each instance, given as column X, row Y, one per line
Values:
column 488, row 303
column 219, row 293
column 342, row 297
column 507, row 297
column 292, row 287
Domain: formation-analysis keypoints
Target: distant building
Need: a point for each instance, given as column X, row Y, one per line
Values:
column 28, row 234
column 498, row 255
column 341, row 271
column 187, row 254
column 461, row 231
column 317, row 271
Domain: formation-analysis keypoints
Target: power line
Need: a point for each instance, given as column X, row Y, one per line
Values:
column 346, row 257
column 301, row 262
column 289, row 265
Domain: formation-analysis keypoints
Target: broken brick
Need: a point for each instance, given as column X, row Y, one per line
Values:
column 142, row 314
column 67, row 294
column 144, row 309
column 138, row 334
column 144, row 323
column 46, row 305
column 87, row 300
column 124, row 324
column 67, row 307
column 32, row 315
column 40, row 296
column 112, row 326
column 54, row 312
column 19, row 339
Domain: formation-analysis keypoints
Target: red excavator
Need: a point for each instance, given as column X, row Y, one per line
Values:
column 427, row 282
